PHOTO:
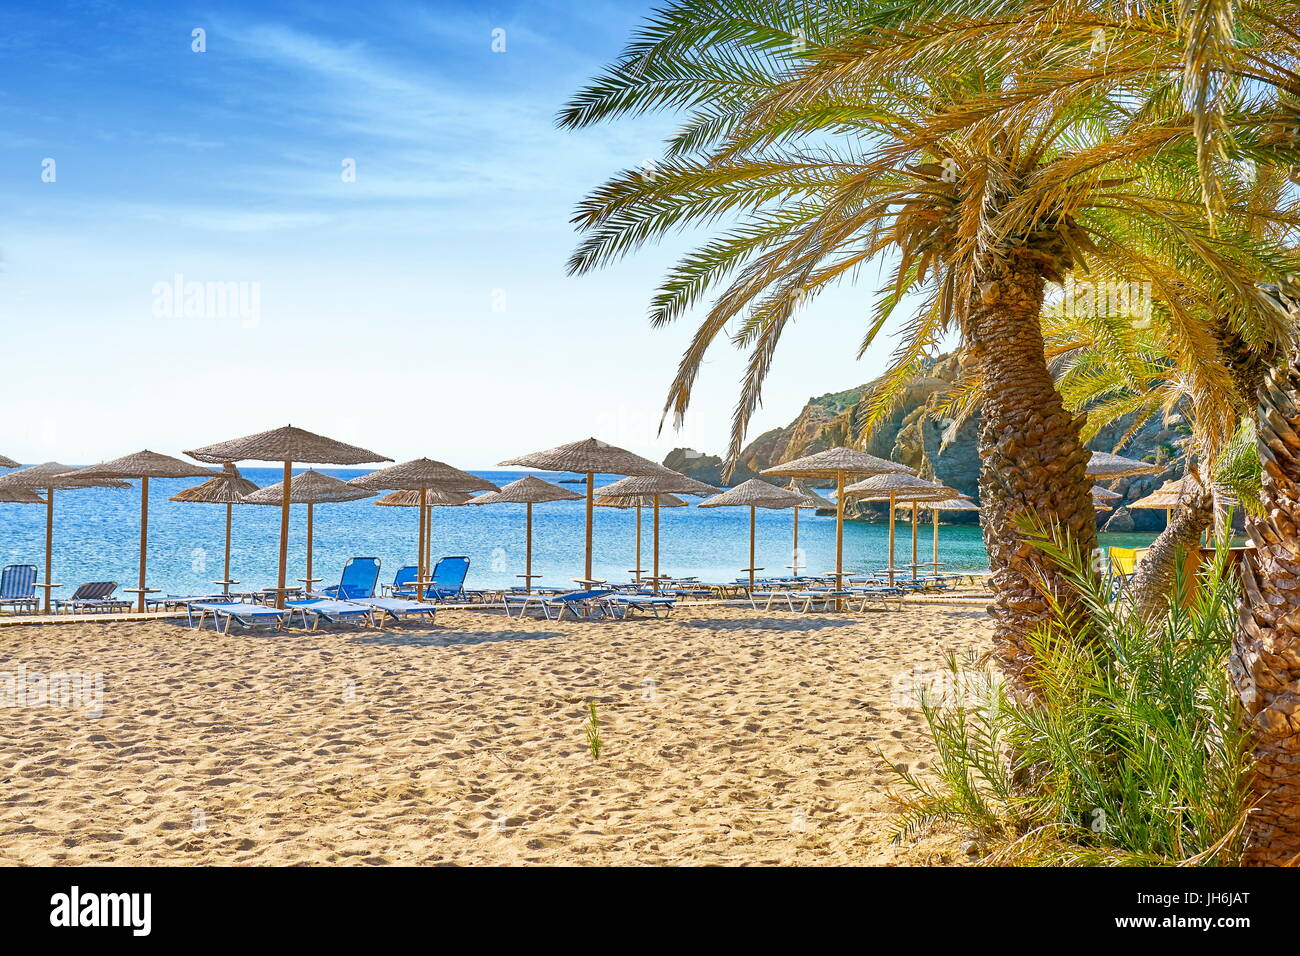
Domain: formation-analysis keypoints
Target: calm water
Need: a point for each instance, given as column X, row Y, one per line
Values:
column 96, row 534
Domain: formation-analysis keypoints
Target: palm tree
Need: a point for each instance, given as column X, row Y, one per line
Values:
column 935, row 138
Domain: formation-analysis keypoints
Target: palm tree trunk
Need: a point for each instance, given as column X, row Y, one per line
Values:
column 1265, row 662
column 1153, row 582
column 1032, row 461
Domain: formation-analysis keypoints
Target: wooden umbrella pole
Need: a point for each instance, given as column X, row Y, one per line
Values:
column 284, row 532
column 891, row 539
column 934, row 512
column 914, row 555
column 656, row 544
column 752, row 525
column 591, row 503
column 225, row 574
column 528, row 548
column 428, row 535
column 839, row 536
column 49, row 545
column 144, row 537
column 422, row 559
column 794, row 554
column 310, row 536
column 638, row 542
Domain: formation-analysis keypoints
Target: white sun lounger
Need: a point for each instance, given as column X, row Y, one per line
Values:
column 397, row 607
column 332, row 611
column 245, row 615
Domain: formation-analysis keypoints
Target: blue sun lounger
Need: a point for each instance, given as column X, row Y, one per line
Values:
column 359, row 579
column 336, row 612
column 94, row 596
column 396, row 608
column 234, row 612
column 18, row 587
column 588, row 602
column 404, row 580
column 632, row 604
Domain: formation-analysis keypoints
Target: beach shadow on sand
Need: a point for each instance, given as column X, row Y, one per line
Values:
column 451, row 638
column 768, row 623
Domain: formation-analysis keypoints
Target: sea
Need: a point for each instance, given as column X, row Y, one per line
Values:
column 96, row 538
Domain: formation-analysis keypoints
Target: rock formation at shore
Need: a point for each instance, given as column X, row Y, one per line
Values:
column 910, row 438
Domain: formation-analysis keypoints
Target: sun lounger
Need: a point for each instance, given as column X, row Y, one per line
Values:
column 18, row 587
column 632, row 604
column 396, row 608
column 403, row 580
column 94, row 596
column 335, row 612
column 588, row 602
column 359, row 579
column 236, row 612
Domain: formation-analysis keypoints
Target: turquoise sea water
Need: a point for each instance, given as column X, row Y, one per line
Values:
column 97, row 533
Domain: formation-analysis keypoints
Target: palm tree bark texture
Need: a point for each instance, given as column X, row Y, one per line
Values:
column 1153, row 582
column 1265, row 662
column 1032, row 460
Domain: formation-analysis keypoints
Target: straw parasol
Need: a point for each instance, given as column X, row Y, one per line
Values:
column 309, row 488
column 754, row 494
column 1168, row 496
column 944, row 504
column 20, row 496
column 590, row 457
column 1103, row 464
column 527, row 491
column 654, row 486
column 839, row 464
column 287, row 445
column 50, row 477
column 423, row 475
column 812, row 500
column 228, row 489
column 638, row 502
column 8, row 463
column 144, row 465
column 433, row 499
column 894, row 488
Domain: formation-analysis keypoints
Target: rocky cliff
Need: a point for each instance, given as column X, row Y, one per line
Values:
column 910, row 438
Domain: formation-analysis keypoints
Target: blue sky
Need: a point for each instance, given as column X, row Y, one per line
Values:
column 420, row 309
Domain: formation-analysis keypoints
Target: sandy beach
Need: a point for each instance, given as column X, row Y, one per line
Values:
column 730, row 737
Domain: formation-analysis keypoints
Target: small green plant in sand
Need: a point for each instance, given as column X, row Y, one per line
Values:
column 592, row 727
column 1132, row 752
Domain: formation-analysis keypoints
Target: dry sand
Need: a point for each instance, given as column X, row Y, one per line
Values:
column 730, row 737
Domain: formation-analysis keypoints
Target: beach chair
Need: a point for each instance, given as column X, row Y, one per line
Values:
column 233, row 612
column 396, row 608
column 1123, row 564
column 18, row 587
column 403, row 581
column 633, row 604
column 448, row 579
column 359, row 579
column 586, row 602
column 336, row 612
column 93, row 596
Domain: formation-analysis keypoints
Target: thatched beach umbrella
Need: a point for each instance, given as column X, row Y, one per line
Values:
column 20, row 496
column 838, row 464
column 753, row 494
column 944, row 504
column 287, row 445
column 433, row 499
column 423, row 475
column 527, row 491
column 51, row 477
column 638, row 502
column 144, row 465
column 590, row 457
column 811, row 500
column 8, row 463
column 655, row 486
column 229, row 489
column 1104, row 465
column 895, row 488
column 1168, row 496
column 309, row 488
